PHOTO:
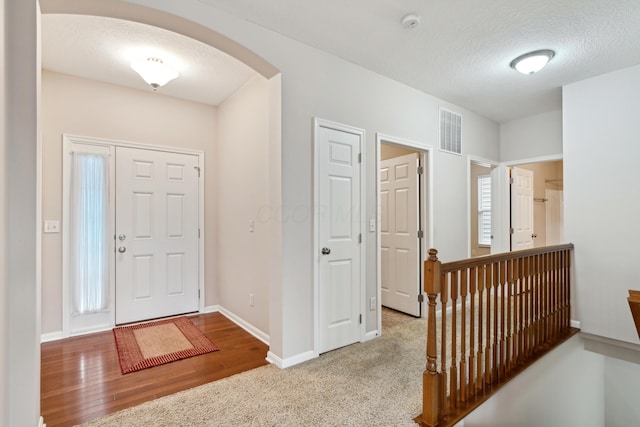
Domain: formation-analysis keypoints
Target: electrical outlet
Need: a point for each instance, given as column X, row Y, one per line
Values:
column 372, row 303
column 250, row 300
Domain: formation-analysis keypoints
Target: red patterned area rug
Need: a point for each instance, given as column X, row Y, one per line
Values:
column 151, row 344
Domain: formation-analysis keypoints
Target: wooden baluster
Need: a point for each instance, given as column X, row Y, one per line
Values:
column 567, row 289
column 508, row 290
column 502, row 287
column 528, row 280
column 535, row 312
column 463, row 334
column 480, row 358
column 489, row 344
column 430, row 377
column 444, row 299
column 555, row 297
column 520, row 302
column 473, row 275
column 495, row 350
column 453, row 379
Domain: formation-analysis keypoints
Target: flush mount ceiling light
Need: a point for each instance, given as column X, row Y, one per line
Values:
column 154, row 72
column 532, row 62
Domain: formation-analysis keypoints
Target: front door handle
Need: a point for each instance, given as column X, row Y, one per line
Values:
column 326, row 251
column 122, row 249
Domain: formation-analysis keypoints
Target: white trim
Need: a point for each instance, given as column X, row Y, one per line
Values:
column 51, row 336
column 540, row 159
column 426, row 152
column 371, row 335
column 211, row 309
column 67, row 141
column 473, row 159
column 317, row 123
column 290, row 361
column 245, row 325
column 575, row 324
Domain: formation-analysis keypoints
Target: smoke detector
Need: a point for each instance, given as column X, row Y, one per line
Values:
column 410, row 21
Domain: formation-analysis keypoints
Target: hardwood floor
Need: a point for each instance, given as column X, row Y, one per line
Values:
column 81, row 379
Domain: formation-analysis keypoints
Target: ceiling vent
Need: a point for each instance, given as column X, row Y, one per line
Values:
column 450, row 131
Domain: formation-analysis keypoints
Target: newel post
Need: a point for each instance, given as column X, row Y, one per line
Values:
column 430, row 377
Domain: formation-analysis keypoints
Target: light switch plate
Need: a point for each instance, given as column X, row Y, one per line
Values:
column 51, row 226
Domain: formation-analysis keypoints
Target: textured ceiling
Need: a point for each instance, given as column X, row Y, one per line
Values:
column 103, row 48
column 460, row 52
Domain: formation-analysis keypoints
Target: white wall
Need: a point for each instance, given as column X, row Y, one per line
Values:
column 315, row 84
column 242, row 196
column 564, row 388
column 531, row 137
column 602, row 207
column 21, row 305
column 89, row 108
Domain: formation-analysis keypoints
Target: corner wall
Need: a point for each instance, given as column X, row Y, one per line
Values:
column 244, row 212
column 602, row 207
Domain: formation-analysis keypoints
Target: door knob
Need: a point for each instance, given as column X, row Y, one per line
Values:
column 122, row 249
column 326, row 251
column 122, row 237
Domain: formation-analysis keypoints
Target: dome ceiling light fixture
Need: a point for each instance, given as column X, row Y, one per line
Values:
column 532, row 62
column 155, row 72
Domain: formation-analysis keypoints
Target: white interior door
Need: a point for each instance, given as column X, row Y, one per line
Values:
column 399, row 223
column 156, row 234
column 521, row 209
column 339, row 237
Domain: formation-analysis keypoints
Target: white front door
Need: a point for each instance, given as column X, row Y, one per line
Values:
column 521, row 209
column 156, row 234
column 399, row 249
column 339, row 234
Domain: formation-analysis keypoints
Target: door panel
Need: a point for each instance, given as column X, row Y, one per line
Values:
column 399, row 225
column 521, row 209
column 339, row 230
column 156, row 234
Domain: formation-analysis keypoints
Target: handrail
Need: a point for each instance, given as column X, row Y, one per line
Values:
column 505, row 310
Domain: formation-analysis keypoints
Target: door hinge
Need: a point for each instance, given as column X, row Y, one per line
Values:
column 361, row 319
column 420, row 234
column 198, row 233
column 359, row 157
column 511, row 181
column 198, row 169
column 421, row 298
column 420, row 170
column 511, row 231
column 198, row 293
column 360, row 238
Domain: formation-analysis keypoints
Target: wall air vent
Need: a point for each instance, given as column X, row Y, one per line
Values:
column 450, row 131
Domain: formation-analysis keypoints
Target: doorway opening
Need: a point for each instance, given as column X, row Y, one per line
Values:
column 404, row 230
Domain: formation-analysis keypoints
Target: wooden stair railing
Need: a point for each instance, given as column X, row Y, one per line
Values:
column 506, row 311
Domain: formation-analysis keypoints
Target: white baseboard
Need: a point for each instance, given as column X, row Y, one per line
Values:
column 211, row 309
column 245, row 325
column 290, row 361
column 41, row 423
column 51, row 336
column 371, row 335
column 575, row 324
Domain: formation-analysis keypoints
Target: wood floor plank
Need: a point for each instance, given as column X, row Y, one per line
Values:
column 81, row 378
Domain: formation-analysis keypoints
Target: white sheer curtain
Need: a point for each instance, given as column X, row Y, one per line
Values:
column 89, row 232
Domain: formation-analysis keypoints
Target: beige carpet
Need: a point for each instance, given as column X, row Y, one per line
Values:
column 377, row 383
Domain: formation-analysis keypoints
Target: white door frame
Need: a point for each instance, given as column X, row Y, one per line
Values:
column 503, row 220
column 473, row 159
column 67, row 140
column 318, row 123
column 426, row 183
